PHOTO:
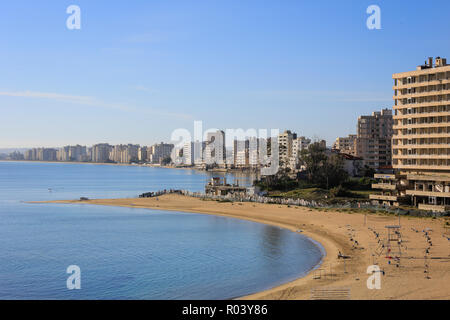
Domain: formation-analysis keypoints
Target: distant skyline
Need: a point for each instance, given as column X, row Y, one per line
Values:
column 138, row 70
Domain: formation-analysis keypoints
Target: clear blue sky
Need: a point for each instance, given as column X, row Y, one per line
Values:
column 139, row 69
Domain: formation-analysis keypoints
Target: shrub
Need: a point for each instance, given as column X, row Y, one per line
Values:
column 339, row 191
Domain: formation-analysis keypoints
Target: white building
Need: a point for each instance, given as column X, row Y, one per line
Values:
column 285, row 144
column 215, row 151
column 241, row 153
column 298, row 145
column 189, row 153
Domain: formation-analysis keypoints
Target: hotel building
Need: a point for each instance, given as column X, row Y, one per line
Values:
column 421, row 143
column 421, row 138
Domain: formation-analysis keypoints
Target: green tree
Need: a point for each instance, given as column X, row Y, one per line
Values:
column 313, row 158
column 321, row 169
column 333, row 171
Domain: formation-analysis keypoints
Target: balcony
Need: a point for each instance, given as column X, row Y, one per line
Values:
column 385, row 176
column 422, row 146
column 421, row 156
column 423, row 177
column 428, row 193
column 434, row 207
column 421, row 84
column 382, row 197
column 418, row 115
column 422, row 94
column 384, row 186
column 421, row 125
column 422, row 135
column 422, row 104
column 420, row 167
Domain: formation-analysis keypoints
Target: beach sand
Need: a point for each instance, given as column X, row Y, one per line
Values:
column 337, row 232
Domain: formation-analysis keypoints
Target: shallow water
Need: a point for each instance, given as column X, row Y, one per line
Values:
column 128, row 253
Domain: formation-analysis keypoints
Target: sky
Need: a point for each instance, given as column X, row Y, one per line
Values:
column 138, row 70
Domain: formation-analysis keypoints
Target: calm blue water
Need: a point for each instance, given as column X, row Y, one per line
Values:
column 128, row 253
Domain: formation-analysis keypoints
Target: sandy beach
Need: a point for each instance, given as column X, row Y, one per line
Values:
column 357, row 236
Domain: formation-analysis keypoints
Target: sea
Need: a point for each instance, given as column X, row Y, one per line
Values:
column 131, row 253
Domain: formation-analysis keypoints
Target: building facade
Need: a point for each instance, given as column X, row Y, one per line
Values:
column 346, row 145
column 298, row 145
column 189, row 153
column 374, row 138
column 100, row 153
column 160, row 151
column 285, row 146
column 215, row 151
column 421, row 141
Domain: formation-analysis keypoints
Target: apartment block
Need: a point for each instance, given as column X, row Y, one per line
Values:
column 421, row 140
column 255, row 153
column 63, row 154
column 160, row 151
column 346, row 144
column 41, row 154
column 374, row 137
column 100, row 152
column 298, row 145
column 215, row 151
column 143, row 154
column 72, row 153
column 30, row 154
column 241, row 155
column 199, row 147
column 124, row 153
column 189, row 153
column 285, row 145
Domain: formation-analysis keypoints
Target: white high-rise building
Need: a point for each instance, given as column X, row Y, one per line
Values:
column 189, row 153
column 241, row 153
column 215, row 148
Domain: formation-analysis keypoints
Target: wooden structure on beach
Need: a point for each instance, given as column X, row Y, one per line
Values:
column 394, row 244
column 218, row 186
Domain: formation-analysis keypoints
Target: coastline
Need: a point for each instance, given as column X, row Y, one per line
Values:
column 333, row 230
column 99, row 164
column 149, row 165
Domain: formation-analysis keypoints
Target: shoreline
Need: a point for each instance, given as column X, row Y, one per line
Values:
column 218, row 171
column 331, row 230
column 99, row 164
